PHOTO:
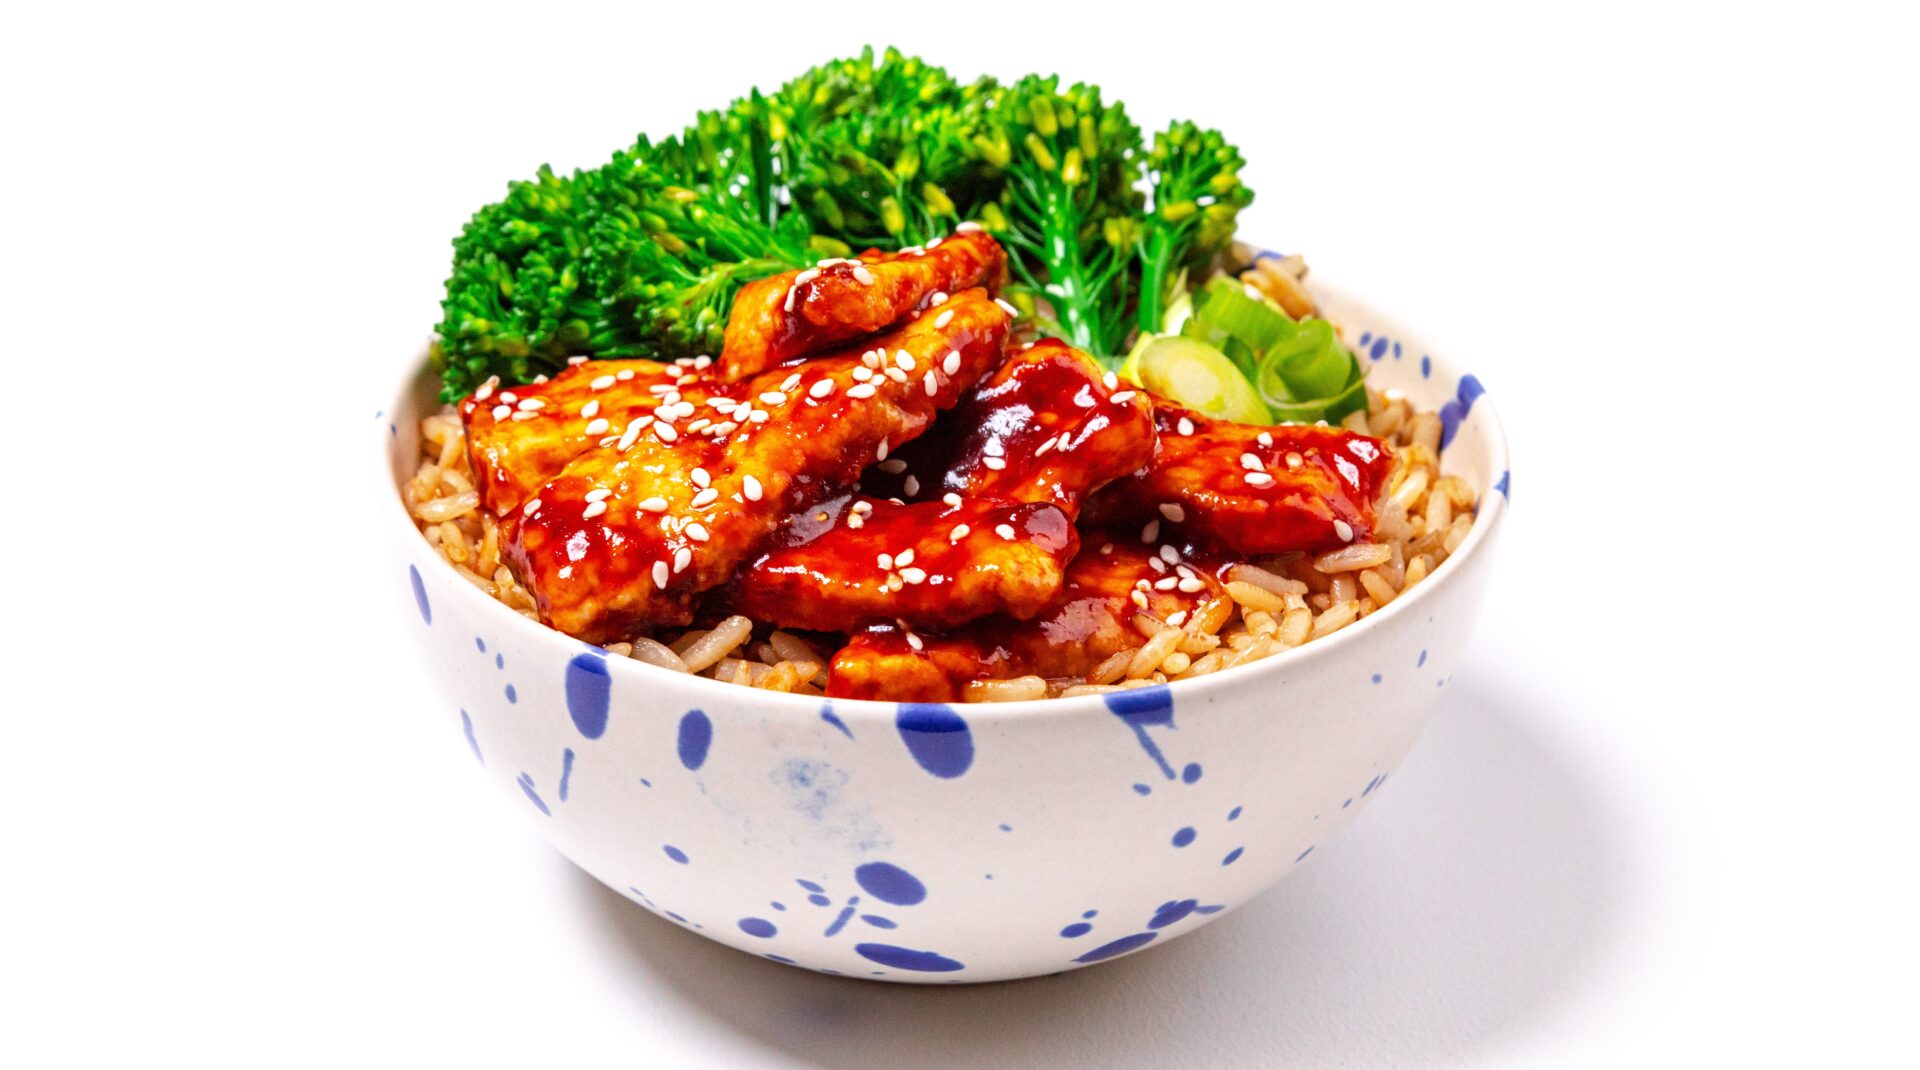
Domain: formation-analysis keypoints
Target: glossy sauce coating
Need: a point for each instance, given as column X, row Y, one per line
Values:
column 784, row 316
column 1090, row 620
column 521, row 436
column 931, row 564
column 1048, row 426
column 1252, row 490
column 628, row 535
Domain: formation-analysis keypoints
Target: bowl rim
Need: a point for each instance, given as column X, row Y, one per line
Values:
column 1487, row 518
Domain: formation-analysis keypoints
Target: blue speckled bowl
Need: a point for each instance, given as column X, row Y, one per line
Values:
column 928, row 843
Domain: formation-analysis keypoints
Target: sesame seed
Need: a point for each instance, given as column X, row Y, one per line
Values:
column 1259, row 479
column 624, row 375
column 856, row 521
column 790, row 381
column 1005, row 531
column 951, row 365
column 932, row 384
column 598, row 426
column 702, row 362
column 681, row 559
column 968, row 227
column 532, row 506
column 994, row 463
column 1172, row 511
column 914, row 642
column 751, row 487
column 911, row 485
column 486, row 388
column 1251, row 463
column 661, row 389
column 758, row 416
column 896, row 375
column 806, row 276
column 660, row 574
column 788, row 304
column 598, row 494
column 1139, row 599
column 943, row 319
column 1166, row 583
column 1192, row 585
column 700, row 425
column 862, row 374
column 1123, row 397
column 935, row 243
column 1004, row 303
column 951, row 499
column 871, row 358
column 697, row 532
column 706, row 497
column 664, row 431
column 863, row 508
column 773, row 397
column 573, row 361
column 864, row 276
column 1158, row 565
column 654, row 505
column 1185, row 426
column 960, row 531
column 1265, row 439
column 1150, row 532
column 937, row 298
column 523, row 415
column 632, row 432
column 1041, row 450
column 903, row 558
column 509, row 396
column 590, row 409
column 701, row 478
column 501, row 412
column 904, row 359
column 894, row 582
column 1344, row 530
column 1170, row 555
column 1177, row 618
column 1112, row 381
column 602, row 382
column 592, row 510
column 1293, row 460
column 885, row 561
column 860, row 390
column 531, row 404
column 914, row 575
column 880, row 451
column 821, row 389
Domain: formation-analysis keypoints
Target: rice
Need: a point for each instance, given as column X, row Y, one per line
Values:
column 1270, row 604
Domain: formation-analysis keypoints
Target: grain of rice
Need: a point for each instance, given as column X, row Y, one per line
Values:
column 1250, row 597
column 717, row 643
column 1344, row 589
column 1377, row 586
column 1354, row 557
column 1017, row 689
column 1260, row 577
column 1153, row 652
column 1076, row 690
column 1296, row 626
column 654, row 652
column 1337, row 616
column 1113, row 668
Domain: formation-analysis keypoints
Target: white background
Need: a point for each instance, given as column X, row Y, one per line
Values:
column 1664, row 818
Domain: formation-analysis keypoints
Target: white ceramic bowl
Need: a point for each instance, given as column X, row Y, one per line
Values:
column 932, row 843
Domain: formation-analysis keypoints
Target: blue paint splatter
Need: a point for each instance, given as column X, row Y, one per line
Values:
column 809, row 886
column 1426, row 367
column 1077, row 929
column 878, row 922
column 819, row 900
column 1366, row 337
column 1377, row 678
column 1090, row 914
column 846, row 915
column 1172, row 911
column 420, row 595
column 760, row 927
column 1234, row 814
column 1118, row 947
column 832, row 718
column 1505, row 478
column 566, row 771
column 1142, row 708
column 1184, row 836
column 675, row 853
column 512, row 695
column 1303, row 855
column 696, row 735
column 777, row 905
column 1191, row 773
column 526, row 785
column 1142, row 789
column 1454, row 413
column 937, row 738
column 466, row 725
column 499, row 660
column 1379, row 348
column 588, row 687
column 890, row 884
column 1422, row 659
column 676, row 917
column 480, row 644
column 904, row 958
column 1371, row 784
column 1396, row 351
column 1004, row 827
column 1232, row 856
column 645, row 783
column 782, row 959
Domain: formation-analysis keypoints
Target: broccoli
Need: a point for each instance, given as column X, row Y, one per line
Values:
column 1194, row 176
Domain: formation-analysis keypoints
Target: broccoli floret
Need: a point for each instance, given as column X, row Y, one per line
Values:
column 1197, row 195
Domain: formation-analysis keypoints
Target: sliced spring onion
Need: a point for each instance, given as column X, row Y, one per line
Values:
column 1311, row 376
column 1192, row 373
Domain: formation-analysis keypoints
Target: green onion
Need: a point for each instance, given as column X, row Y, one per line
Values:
column 1198, row 376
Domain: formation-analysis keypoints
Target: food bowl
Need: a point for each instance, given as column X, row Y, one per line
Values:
column 945, row 844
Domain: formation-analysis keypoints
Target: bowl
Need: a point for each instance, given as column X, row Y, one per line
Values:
column 932, row 843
